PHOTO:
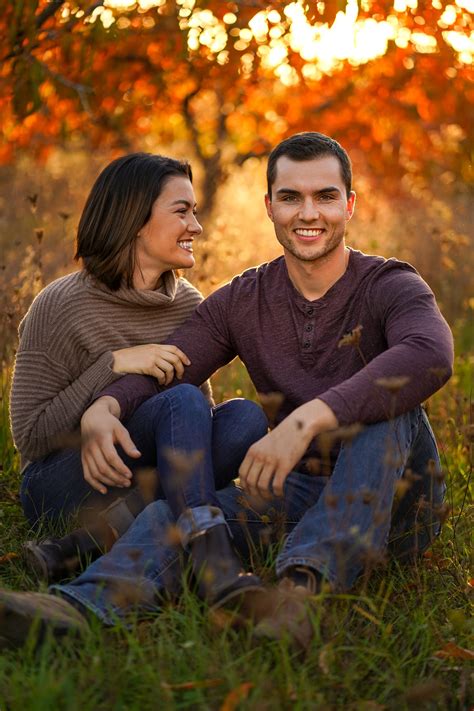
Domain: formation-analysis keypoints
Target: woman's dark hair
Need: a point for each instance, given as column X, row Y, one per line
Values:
column 118, row 206
column 306, row 146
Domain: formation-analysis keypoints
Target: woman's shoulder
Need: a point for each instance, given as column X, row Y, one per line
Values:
column 53, row 303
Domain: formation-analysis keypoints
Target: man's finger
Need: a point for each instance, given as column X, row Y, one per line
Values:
column 251, row 480
column 122, row 437
column 91, row 477
column 107, row 474
column 279, row 480
column 265, row 479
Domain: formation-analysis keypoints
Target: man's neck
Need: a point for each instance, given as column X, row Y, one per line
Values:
column 314, row 279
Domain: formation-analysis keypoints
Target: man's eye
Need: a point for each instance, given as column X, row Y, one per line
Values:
column 289, row 198
column 326, row 198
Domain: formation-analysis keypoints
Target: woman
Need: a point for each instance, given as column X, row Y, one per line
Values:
column 88, row 328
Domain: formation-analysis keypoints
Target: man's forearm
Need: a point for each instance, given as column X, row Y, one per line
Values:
column 130, row 392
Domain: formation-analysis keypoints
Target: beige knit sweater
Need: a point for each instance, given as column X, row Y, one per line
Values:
column 65, row 353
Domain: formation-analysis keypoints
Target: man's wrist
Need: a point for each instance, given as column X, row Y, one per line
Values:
column 318, row 417
column 109, row 404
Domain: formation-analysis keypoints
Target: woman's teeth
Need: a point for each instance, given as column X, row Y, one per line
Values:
column 188, row 245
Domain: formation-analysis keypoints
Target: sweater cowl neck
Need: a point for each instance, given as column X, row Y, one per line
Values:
column 164, row 295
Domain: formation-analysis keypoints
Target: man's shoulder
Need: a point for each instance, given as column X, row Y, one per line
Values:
column 375, row 263
column 265, row 274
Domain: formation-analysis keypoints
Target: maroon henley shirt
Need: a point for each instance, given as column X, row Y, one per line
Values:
column 292, row 346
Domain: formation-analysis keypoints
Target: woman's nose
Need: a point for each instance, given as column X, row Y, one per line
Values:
column 194, row 226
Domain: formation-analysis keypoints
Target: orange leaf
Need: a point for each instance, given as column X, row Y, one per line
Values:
column 235, row 696
column 8, row 557
column 187, row 685
column 452, row 651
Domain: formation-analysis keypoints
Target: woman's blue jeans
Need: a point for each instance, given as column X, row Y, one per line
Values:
column 338, row 525
column 189, row 448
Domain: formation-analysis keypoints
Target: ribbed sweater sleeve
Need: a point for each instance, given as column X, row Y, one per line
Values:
column 65, row 354
column 48, row 405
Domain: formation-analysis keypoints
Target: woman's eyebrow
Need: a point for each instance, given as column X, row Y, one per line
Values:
column 182, row 201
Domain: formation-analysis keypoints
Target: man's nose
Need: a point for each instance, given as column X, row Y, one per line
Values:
column 309, row 210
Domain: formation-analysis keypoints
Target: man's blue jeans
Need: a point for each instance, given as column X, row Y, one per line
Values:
column 337, row 525
column 192, row 448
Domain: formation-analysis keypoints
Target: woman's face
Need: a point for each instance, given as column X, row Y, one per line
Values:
column 166, row 240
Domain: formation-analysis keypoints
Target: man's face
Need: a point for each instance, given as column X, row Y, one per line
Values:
column 309, row 207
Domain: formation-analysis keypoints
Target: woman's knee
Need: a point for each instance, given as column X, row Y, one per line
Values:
column 251, row 415
column 183, row 395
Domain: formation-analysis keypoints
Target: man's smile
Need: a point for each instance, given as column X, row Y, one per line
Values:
column 309, row 234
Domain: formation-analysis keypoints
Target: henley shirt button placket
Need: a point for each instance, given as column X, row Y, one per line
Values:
column 308, row 330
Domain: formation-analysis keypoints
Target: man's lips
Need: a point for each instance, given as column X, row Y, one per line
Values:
column 306, row 234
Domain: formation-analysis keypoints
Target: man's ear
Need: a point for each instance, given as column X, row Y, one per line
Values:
column 268, row 205
column 351, row 200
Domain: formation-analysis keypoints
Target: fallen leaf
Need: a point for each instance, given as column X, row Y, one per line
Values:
column 189, row 685
column 234, row 697
column 452, row 651
column 8, row 557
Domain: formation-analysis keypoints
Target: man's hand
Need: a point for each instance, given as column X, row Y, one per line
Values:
column 101, row 430
column 161, row 361
column 269, row 461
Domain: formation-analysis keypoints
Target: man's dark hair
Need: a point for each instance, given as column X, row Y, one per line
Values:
column 118, row 206
column 306, row 146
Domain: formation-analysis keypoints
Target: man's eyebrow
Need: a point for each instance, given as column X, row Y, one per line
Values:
column 291, row 191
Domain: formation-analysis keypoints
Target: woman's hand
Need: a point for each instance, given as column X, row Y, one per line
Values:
column 161, row 361
column 101, row 430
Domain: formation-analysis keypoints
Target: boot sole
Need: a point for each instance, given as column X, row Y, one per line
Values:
column 19, row 618
column 235, row 599
column 35, row 561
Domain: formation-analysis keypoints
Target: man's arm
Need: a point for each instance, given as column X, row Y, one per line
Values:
column 418, row 360
column 208, row 344
column 205, row 339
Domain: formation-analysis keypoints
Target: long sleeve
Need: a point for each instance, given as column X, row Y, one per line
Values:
column 205, row 339
column 417, row 362
column 45, row 404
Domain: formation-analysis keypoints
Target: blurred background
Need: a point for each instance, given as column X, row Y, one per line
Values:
column 220, row 83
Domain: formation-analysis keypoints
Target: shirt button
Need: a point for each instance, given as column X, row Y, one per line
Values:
column 309, row 328
column 310, row 311
column 306, row 344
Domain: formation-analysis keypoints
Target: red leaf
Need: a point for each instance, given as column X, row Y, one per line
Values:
column 452, row 651
column 235, row 696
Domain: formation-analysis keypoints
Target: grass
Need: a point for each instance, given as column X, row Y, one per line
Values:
column 383, row 646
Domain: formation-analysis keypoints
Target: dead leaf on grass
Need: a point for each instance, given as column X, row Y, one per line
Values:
column 234, row 697
column 452, row 651
column 8, row 557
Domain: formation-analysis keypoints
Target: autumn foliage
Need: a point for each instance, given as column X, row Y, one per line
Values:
column 234, row 78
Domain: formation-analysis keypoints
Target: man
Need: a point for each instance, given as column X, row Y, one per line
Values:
column 345, row 339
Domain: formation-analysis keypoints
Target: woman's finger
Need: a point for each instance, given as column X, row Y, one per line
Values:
column 167, row 368
column 177, row 351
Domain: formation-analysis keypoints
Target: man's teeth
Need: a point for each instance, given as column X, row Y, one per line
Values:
column 186, row 245
column 308, row 233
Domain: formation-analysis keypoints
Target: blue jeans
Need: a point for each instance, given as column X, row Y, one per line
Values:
column 337, row 525
column 192, row 448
